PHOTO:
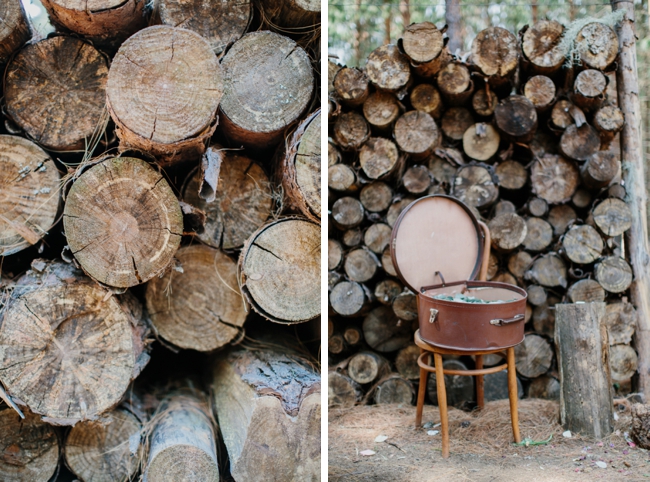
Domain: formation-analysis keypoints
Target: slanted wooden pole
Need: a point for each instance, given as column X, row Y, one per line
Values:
column 634, row 176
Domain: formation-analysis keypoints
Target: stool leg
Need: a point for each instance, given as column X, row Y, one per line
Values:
column 442, row 403
column 424, row 375
column 480, row 397
column 512, row 393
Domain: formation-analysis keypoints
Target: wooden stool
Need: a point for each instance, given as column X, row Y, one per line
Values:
column 426, row 350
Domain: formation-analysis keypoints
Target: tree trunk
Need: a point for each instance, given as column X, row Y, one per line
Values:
column 600, row 169
column 384, row 332
column 262, row 398
column 583, row 362
column 59, row 313
column 453, row 20
column 347, row 213
column 579, row 143
column 507, row 232
column 29, row 447
column 128, row 206
column 484, row 101
column 30, row 183
column 516, row 118
column 495, row 386
column 342, row 178
column 55, row 72
column 582, row 244
column 395, row 390
column 336, row 344
column 533, row 356
column 387, row 290
column 614, row 274
column 350, row 131
column 512, row 175
column 388, row 69
column 561, row 217
column 495, row 53
column 279, row 268
column 641, row 425
column 540, row 90
column 416, row 134
column 378, row 158
column 608, row 121
column 424, row 46
column 561, row 117
column 481, row 141
column 342, row 391
column 405, row 306
column 200, row 307
column 15, row 29
column 100, row 450
column 536, row 295
column 107, row 23
column 546, row 387
column 455, row 84
column 353, row 335
column 334, row 254
column 541, row 47
column 416, row 179
column 182, row 444
column 598, row 44
column 613, row 217
column 366, row 367
column 589, row 90
column 460, row 389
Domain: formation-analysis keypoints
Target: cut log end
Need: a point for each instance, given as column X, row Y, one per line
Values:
column 388, row 69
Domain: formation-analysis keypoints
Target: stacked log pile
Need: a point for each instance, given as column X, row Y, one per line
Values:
column 526, row 138
column 159, row 216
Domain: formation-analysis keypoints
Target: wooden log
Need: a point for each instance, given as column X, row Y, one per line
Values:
column 349, row 299
column 107, row 23
column 614, row 274
column 613, row 217
column 540, row 90
column 387, row 290
column 29, row 447
column 334, row 254
column 352, row 237
column 542, row 47
column 597, row 45
column 172, row 110
column 347, row 213
column 405, row 306
column 350, row 131
column 221, row 23
column 199, row 308
column 460, row 389
column 351, row 86
column 394, row 390
column 561, row 217
column 518, row 263
column 608, row 121
column 30, row 183
column 600, row 169
column 262, row 396
column 484, row 101
column 507, row 232
column 539, row 234
column 503, row 207
column 360, row 265
column 554, row 179
column 366, row 367
column 455, row 84
column 58, row 313
column 474, row 186
column 537, row 207
column 511, row 175
column 616, row 191
column 182, row 443
column 396, row 209
column 426, row 98
column 377, row 237
column 634, row 177
column 342, row 391
column 586, row 290
column 332, row 69
column 545, row 387
column 536, row 295
column 387, row 263
column 424, row 46
column 455, row 122
column 544, row 317
column 406, row 362
column 341, row 177
column 14, row 32
column 641, row 425
column 42, row 77
column 279, row 270
column 116, row 214
column 621, row 320
column 495, row 53
column 333, row 278
column 388, row 69
column 582, row 244
column 581, row 198
column 101, row 450
column 268, row 85
column 548, row 270
column 495, row 386
column 416, row 179
column 381, row 109
column 353, row 335
column 504, row 277
column 623, row 362
column 299, row 170
column 481, row 141
column 561, row 117
column 589, row 90
column 376, row 197
column 416, row 133
column 292, row 14
column 533, row 356
column 378, row 158
column 336, row 344
column 241, row 201
column 333, row 154
column 442, row 170
column 582, row 352
column 384, row 332
column 516, row 118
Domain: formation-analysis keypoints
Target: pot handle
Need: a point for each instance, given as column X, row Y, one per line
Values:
column 501, row 322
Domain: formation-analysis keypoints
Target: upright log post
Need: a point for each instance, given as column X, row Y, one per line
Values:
column 633, row 174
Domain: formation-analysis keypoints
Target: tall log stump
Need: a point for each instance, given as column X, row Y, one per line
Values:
column 266, row 398
column 583, row 362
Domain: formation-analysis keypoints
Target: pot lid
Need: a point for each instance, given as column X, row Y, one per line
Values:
column 436, row 233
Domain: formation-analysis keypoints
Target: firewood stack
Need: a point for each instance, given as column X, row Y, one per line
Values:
column 160, row 202
column 527, row 139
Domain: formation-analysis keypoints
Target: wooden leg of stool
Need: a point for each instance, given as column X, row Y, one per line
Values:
column 480, row 397
column 512, row 393
column 442, row 403
column 424, row 375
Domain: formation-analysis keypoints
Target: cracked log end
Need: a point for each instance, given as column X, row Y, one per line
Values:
column 122, row 222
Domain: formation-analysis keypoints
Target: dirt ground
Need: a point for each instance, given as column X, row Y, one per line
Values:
column 481, row 447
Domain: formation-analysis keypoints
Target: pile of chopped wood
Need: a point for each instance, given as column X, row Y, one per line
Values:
column 524, row 137
column 160, row 201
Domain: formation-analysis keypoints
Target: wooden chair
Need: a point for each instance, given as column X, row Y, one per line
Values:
column 428, row 350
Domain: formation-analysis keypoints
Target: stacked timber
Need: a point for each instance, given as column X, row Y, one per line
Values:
column 160, row 205
column 529, row 141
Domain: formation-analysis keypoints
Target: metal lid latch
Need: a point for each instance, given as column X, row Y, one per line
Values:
column 501, row 321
